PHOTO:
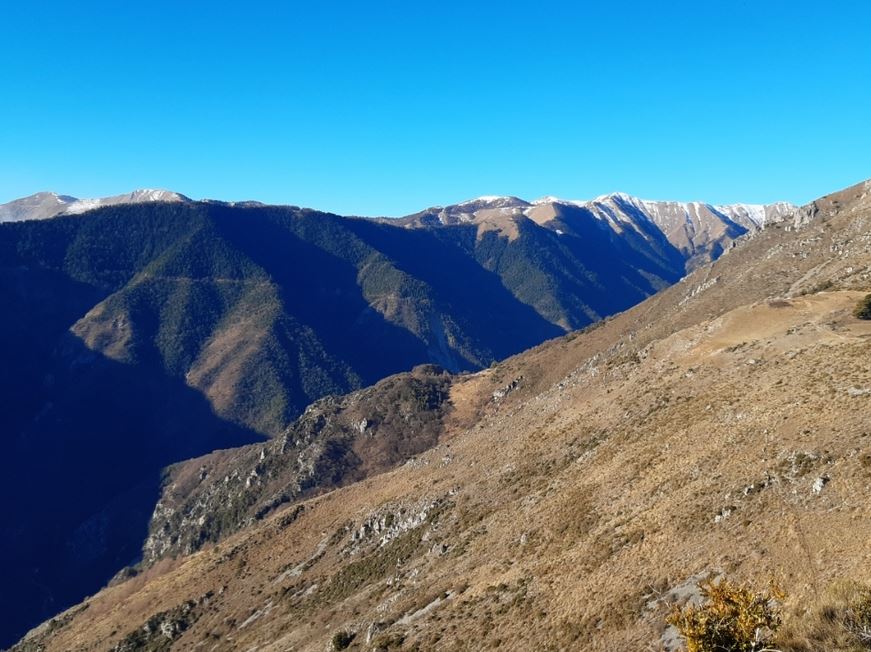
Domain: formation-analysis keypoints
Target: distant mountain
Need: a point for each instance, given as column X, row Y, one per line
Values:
column 43, row 205
column 40, row 206
column 699, row 231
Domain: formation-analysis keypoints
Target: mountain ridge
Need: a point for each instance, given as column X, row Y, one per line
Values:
column 237, row 317
column 45, row 205
column 582, row 484
column 701, row 231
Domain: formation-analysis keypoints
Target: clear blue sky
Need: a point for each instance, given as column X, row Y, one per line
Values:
column 383, row 107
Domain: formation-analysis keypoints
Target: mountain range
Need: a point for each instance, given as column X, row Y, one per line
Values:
column 152, row 329
column 700, row 231
column 565, row 498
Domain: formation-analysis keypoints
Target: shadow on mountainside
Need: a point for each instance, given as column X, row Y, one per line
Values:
column 319, row 287
column 647, row 251
column 82, row 477
column 484, row 307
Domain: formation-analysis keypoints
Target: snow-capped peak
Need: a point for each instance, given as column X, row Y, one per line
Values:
column 699, row 230
column 150, row 194
column 550, row 199
column 484, row 199
column 144, row 195
column 623, row 196
column 43, row 205
column 547, row 199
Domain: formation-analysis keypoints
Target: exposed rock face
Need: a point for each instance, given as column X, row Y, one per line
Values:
column 159, row 633
column 335, row 442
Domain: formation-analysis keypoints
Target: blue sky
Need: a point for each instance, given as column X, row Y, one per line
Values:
column 383, row 107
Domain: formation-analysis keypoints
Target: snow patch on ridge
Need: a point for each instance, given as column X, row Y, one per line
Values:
column 483, row 198
column 136, row 197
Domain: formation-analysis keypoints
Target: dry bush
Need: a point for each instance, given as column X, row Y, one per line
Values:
column 732, row 618
column 341, row 640
column 840, row 622
column 863, row 308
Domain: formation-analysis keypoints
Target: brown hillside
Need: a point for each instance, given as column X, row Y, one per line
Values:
column 722, row 426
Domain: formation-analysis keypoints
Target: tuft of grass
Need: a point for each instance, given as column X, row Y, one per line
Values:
column 840, row 622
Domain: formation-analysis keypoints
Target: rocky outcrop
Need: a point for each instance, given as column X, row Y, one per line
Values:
column 336, row 441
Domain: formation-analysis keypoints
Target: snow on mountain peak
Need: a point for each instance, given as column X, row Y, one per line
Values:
column 500, row 200
column 43, row 205
column 135, row 197
column 550, row 199
column 617, row 195
column 699, row 230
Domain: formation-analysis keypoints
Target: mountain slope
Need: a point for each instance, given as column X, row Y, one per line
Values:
column 148, row 333
column 718, row 426
column 338, row 440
